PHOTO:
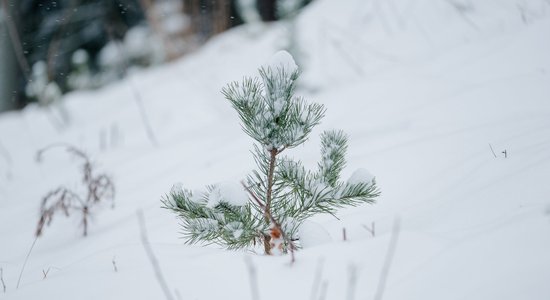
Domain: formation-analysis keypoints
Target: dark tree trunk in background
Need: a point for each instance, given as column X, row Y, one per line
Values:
column 9, row 71
column 210, row 17
column 267, row 9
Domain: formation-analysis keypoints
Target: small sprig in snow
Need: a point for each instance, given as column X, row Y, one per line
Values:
column 282, row 194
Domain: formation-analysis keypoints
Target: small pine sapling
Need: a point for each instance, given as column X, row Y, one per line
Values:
column 280, row 193
column 99, row 188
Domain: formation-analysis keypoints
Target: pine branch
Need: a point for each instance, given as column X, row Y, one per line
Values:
column 333, row 152
column 233, row 226
column 281, row 192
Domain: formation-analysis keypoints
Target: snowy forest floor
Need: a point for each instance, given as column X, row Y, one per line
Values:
column 447, row 103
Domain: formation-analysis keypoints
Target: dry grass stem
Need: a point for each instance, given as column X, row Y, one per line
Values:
column 388, row 260
column 253, row 278
column 99, row 188
column 2, row 280
column 152, row 257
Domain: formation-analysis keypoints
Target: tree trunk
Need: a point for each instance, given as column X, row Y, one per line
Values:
column 8, row 67
column 268, row 9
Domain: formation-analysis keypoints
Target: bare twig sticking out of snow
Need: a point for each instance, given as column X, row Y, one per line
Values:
column 324, row 288
column 100, row 188
column 253, row 278
column 317, row 279
column 143, row 113
column 371, row 229
column 45, row 273
column 16, row 41
column 492, row 150
column 2, row 280
column 151, row 256
column 57, row 38
column 135, row 92
column 344, row 235
column 352, row 281
column 114, row 264
column 388, row 260
column 25, row 263
column 505, row 152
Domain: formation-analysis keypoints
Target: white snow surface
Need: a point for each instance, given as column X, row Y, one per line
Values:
column 313, row 234
column 430, row 94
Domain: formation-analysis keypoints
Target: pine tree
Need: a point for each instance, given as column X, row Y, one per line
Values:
column 280, row 193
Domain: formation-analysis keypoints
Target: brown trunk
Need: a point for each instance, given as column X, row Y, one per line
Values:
column 85, row 220
column 272, row 161
column 268, row 198
column 267, row 244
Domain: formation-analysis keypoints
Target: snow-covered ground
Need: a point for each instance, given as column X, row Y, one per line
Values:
column 430, row 92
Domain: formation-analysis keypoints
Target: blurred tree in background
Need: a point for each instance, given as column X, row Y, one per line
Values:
column 48, row 47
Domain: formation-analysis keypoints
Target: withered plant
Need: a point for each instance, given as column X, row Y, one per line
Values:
column 99, row 188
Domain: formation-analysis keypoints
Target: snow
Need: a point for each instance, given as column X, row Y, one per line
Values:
column 137, row 42
column 228, row 192
column 79, row 57
column 360, row 175
column 313, row 234
column 421, row 88
column 111, row 55
column 282, row 59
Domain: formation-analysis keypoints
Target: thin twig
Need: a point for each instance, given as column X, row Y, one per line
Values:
column 16, row 42
column 25, row 263
column 258, row 201
column 324, row 288
column 253, row 278
column 492, row 150
column 114, row 264
column 2, row 280
column 317, row 279
column 57, row 40
column 46, row 272
column 344, row 235
column 151, row 256
column 388, row 260
column 135, row 92
column 370, row 229
column 352, row 281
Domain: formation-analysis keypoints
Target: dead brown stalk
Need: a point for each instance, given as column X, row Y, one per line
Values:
column 99, row 188
column 2, row 280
